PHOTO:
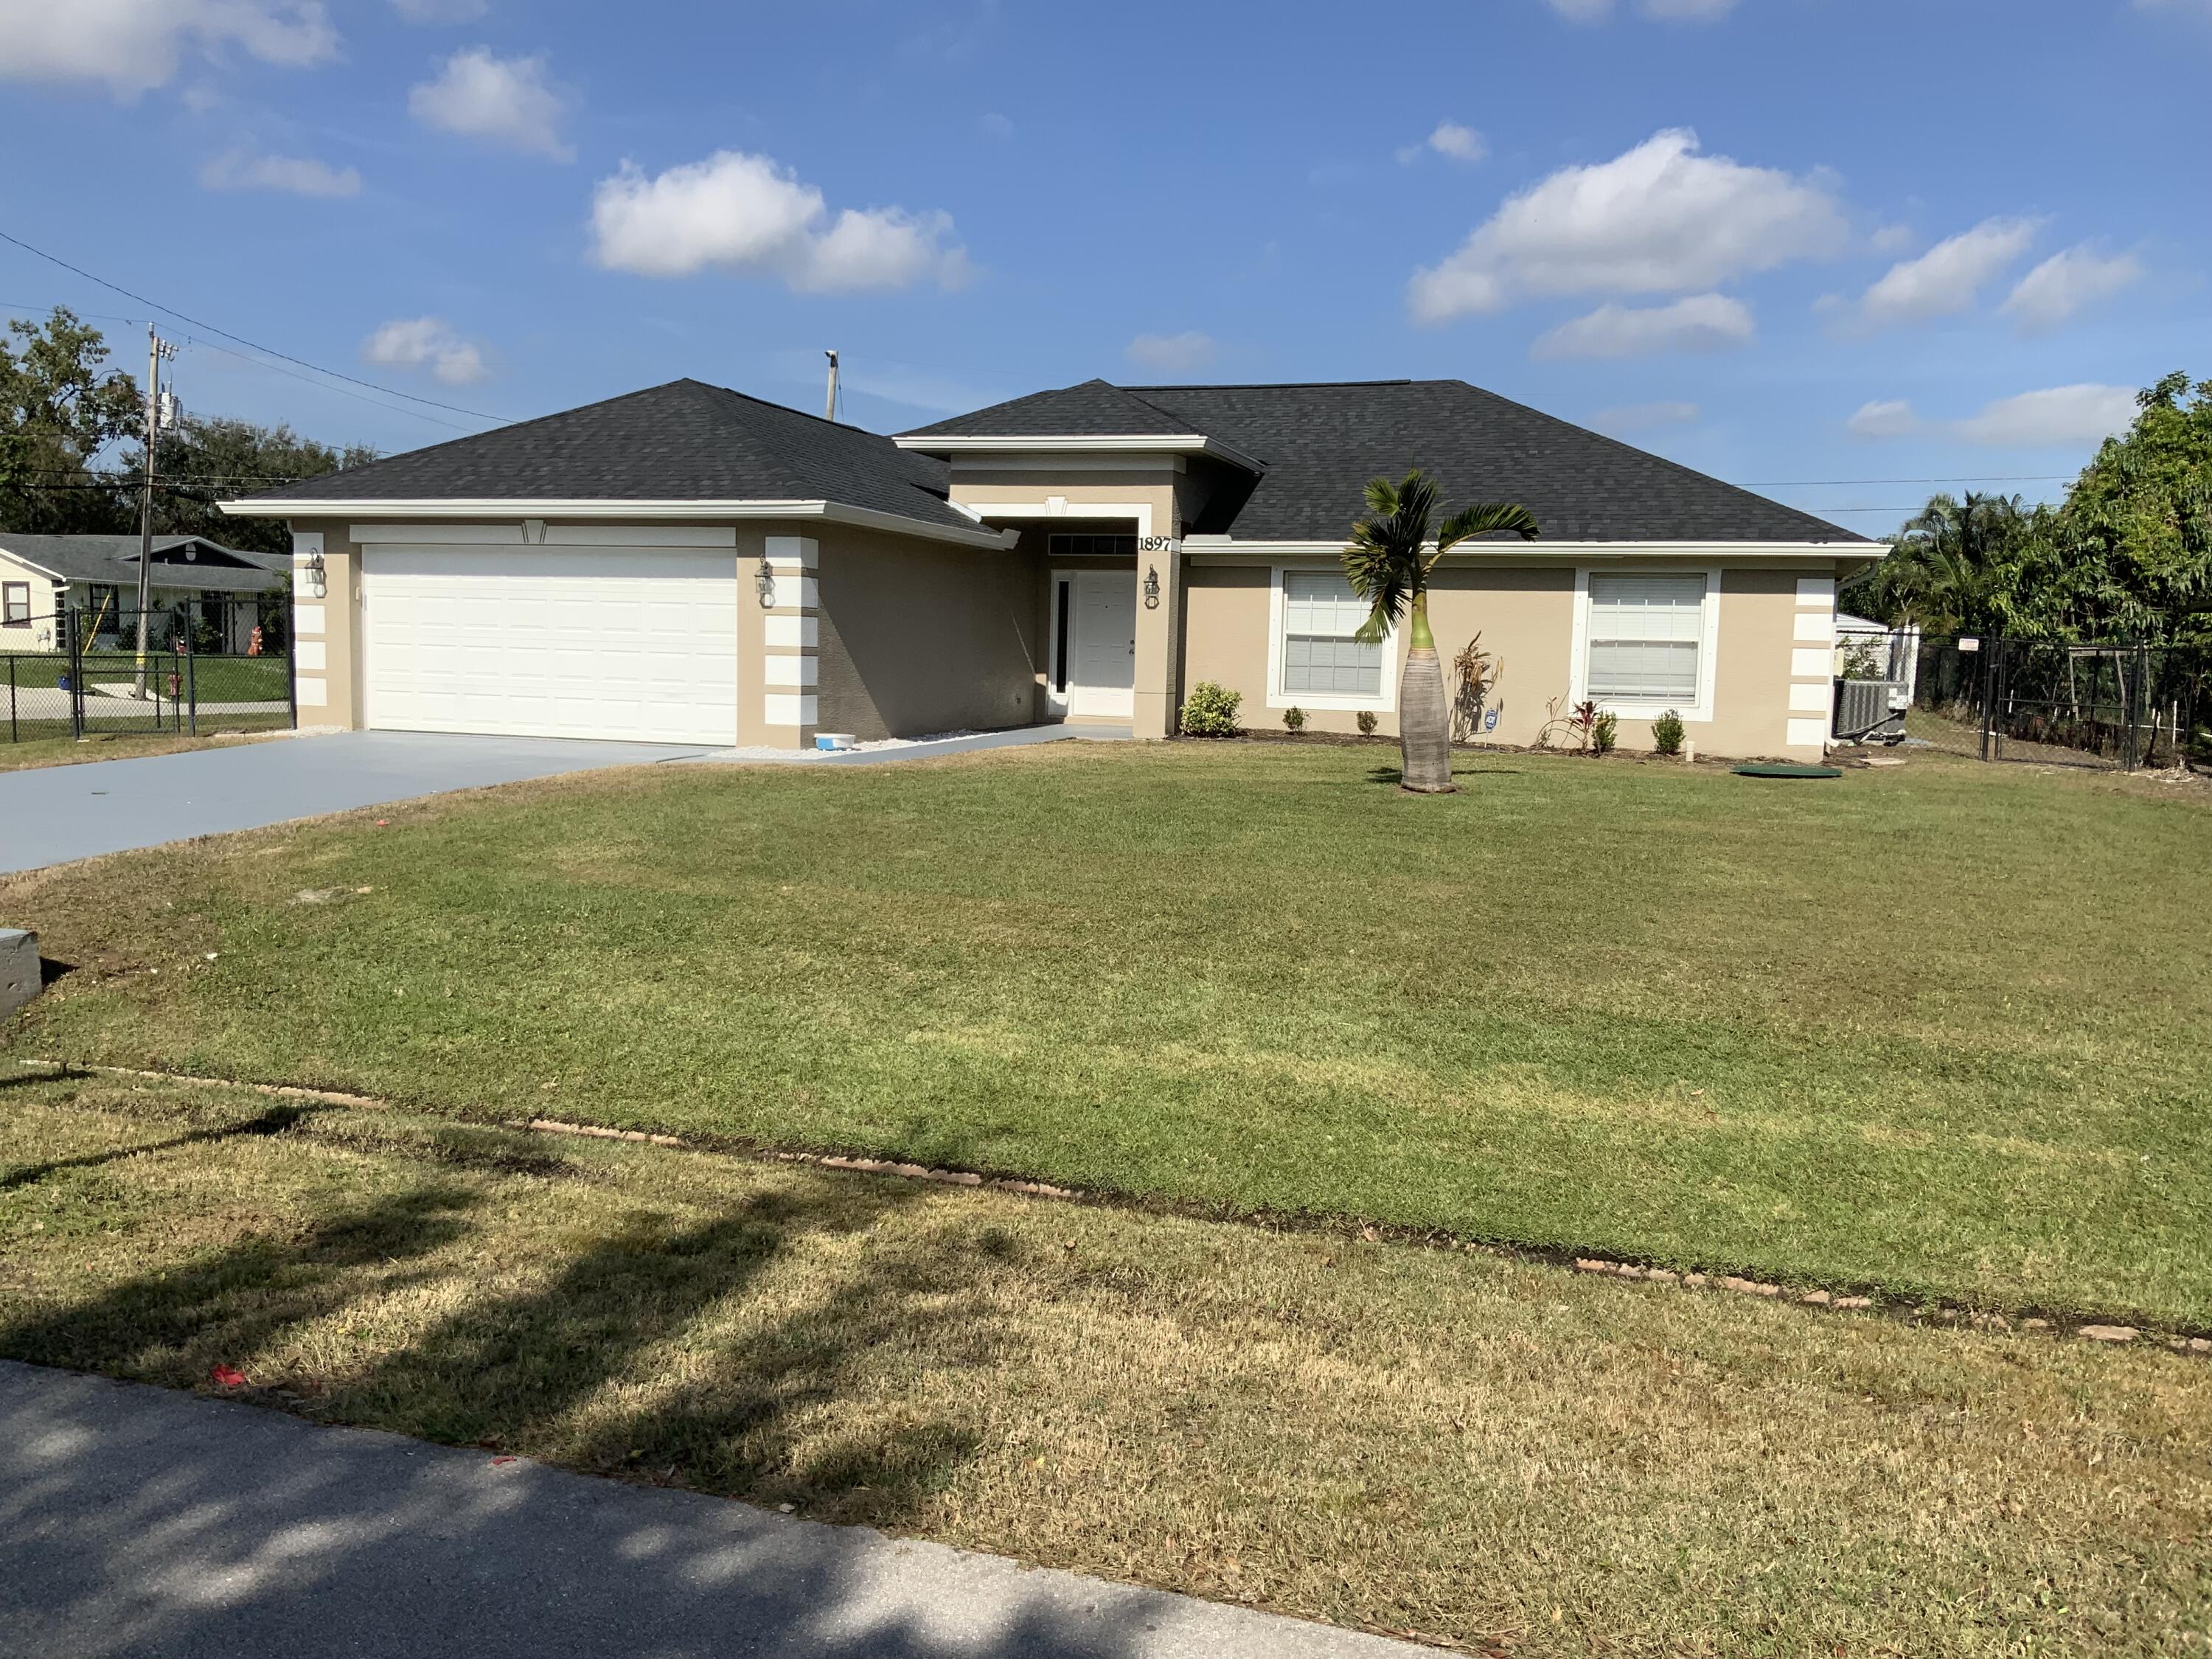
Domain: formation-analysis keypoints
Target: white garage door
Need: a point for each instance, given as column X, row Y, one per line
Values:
column 552, row 642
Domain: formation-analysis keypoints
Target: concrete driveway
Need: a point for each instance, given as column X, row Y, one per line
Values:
column 51, row 814
column 136, row 1520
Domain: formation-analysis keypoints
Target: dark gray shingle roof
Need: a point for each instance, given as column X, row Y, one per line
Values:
column 115, row 559
column 686, row 441
column 1319, row 444
column 1096, row 409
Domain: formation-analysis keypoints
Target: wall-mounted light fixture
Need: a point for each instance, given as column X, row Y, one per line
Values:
column 1151, row 587
column 764, row 583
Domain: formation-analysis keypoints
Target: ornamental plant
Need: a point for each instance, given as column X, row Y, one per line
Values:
column 1210, row 711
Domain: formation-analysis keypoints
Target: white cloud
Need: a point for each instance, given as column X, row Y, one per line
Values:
column 131, row 46
column 995, row 125
column 506, row 100
column 1892, row 239
column 425, row 343
column 1661, row 218
column 1171, row 353
column 2068, row 283
column 742, row 213
column 1704, row 322
column 1944, row 281
column 1893, row 418
column 298, row 175
column 1461, row 143
column 1644, row 417
column 439, row 11
column 2065, row 416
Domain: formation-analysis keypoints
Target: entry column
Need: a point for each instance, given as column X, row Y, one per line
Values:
column 1159, row 636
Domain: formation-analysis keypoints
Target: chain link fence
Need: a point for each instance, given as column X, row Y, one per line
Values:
column 209, row 666
column 2117, row 707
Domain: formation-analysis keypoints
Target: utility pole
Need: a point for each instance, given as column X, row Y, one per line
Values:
column 157, row 350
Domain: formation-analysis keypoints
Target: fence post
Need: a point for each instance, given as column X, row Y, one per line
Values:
column 14, row 736
column 76, row 673
column 192, row 679
column 1990, row 650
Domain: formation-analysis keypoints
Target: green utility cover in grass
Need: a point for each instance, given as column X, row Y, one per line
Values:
column 1785, row 770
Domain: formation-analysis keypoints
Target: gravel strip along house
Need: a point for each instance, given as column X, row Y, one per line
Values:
column 688, row 564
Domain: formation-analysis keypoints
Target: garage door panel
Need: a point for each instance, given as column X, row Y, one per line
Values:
column 602, row 642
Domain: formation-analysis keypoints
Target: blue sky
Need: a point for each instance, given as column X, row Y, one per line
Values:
column 1778, row 239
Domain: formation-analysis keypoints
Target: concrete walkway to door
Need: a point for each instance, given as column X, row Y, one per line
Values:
column 53, row 814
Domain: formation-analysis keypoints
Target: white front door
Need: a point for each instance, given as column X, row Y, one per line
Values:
column 635, row 642
column 1102, row 682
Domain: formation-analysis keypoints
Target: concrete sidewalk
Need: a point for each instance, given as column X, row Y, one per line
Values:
column 141, row 1521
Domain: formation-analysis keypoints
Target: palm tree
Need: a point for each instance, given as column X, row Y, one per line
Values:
column 1387, row 563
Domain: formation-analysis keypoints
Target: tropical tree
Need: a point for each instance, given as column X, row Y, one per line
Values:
column 1388, row 562
column 60, row 405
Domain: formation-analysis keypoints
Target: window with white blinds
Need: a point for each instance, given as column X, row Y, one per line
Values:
column 1320, row 656
column 1645, row 634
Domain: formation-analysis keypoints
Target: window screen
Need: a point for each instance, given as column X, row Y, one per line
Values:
column 15, row 604
column 1645, row 633
column 1320, row 656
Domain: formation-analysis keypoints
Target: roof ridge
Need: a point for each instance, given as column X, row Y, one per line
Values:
column 1283, row 386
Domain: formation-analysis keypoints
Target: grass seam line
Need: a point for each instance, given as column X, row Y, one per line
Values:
column 2106, row 1331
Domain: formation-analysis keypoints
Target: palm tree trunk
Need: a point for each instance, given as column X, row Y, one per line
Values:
column 1424, row 713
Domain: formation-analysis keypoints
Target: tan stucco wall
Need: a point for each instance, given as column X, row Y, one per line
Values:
column 1525, row 615
column 921, row 637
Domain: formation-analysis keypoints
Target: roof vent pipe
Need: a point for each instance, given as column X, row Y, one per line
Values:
column 829, row 410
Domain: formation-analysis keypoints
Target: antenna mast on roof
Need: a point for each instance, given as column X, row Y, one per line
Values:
column 829, row 410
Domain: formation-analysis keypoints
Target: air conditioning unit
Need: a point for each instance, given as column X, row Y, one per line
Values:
column 1871, row 711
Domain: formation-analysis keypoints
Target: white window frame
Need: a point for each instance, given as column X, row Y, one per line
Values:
column 1383, row 704
column 1709, row 637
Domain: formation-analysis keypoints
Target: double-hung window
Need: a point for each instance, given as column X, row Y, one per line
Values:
column 1318, row 659
column 15, row 604
column 1647, row 640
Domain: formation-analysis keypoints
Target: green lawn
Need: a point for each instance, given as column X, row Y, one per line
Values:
column 1936, row 1028
column 1505, row 1455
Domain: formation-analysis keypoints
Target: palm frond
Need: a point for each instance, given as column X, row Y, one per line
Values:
column 1485, row 518
column 1382, row 561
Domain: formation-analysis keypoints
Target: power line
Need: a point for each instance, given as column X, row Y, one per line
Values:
column 1994, row 478
column 271, row 351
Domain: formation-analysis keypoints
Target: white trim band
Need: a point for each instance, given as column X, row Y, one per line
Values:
column 263, row 507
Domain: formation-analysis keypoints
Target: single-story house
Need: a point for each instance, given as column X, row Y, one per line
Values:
column 687, row 563
column 97, row 576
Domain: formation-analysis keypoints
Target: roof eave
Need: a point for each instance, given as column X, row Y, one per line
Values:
column 443, row 508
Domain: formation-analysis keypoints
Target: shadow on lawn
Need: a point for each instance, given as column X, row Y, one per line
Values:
column 602, row 1365
column 275, row 1121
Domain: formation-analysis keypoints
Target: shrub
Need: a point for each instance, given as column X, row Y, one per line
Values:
column 1210, row 711
column 1294, row 719
column 1366, row 722
column 1667, row 733
column 1605, row 732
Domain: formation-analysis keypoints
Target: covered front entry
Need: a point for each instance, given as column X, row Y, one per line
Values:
column 622, row 642
column 1094, row 643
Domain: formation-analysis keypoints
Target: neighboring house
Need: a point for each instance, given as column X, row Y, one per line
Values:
column 691, row 564
column 98, row 577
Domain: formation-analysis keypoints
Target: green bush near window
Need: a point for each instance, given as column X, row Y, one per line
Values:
column 1605, row 732
column 1667, row 733
column 1210, row 711
column 1367, row 722
column 1294, row 719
